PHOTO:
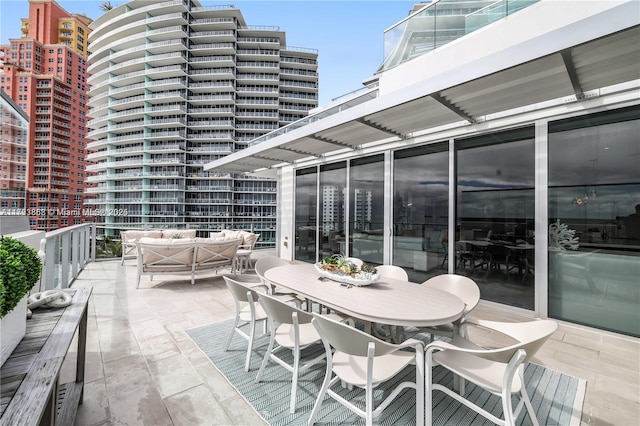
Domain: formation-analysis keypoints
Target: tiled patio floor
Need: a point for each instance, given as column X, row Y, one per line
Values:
column 142, row 369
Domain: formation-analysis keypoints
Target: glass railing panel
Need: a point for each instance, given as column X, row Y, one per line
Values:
column 440, row 23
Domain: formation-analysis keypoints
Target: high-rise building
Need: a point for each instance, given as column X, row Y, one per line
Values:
column 175, row 85
column 14, row 133
column 44, row 72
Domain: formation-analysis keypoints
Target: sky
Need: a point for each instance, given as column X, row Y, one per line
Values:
column 347, row 34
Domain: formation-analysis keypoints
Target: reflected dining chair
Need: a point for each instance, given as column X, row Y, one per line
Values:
column 248, row 312
column 464, row 288
column 290, row 330
column 498, row 370
column 365, row 361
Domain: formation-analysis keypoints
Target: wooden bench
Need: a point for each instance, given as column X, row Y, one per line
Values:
column 31, row 394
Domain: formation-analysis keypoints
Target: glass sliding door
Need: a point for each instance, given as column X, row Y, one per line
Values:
column 420, row 210
column 594, row 215
column 306, row 214
column 366, row 211
column 495, row 215
column 333, row 180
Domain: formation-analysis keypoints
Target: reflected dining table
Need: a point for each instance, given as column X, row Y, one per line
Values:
column 387, row 301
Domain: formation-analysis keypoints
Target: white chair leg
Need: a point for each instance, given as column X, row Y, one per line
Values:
column 323, row 389
column 252, row 334
column 369, row 405
column 507, row 408
column 294, row 380
column 428, row 392
column 233, row 331
column 527, row 403
column 267, row 356
column 420, row 379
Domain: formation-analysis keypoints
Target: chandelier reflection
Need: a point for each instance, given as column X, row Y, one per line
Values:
column 586, row 198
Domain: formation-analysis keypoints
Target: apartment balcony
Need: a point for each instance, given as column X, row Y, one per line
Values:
column 141, row 366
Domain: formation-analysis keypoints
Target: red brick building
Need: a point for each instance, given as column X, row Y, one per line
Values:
column 45, row 73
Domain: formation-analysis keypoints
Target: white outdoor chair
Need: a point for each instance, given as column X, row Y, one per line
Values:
column 243, row 255
column 464, row 288
column 395, row 272
column 248, row 311
column 262, row 266
column 392, row 271
column 500, row 370
column 364, row 361
column 291, row 329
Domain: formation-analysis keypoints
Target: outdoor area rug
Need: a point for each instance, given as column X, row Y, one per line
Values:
column 557, row 398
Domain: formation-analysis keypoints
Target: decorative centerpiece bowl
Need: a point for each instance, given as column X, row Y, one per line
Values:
column 341, row 269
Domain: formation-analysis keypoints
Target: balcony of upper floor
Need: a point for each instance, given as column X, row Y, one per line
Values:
column 207, row 60
column 211, row 86
column 211, row 74
column 217, row 111
column 299, row 63
column 196, row 101
column 200, row 48
column 168, row 25
column 200, row 35
column 297, row 74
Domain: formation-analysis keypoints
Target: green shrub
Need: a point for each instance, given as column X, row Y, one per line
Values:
column 20, row 269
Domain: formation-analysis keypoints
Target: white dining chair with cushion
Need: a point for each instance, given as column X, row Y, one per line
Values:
column 365, row 361
column 464, row 288
column 248, row 312
column 262, row 266
column 290, row 330
column 498, row 370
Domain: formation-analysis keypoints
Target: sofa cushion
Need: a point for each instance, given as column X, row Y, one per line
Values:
column 167, row 252
column 249, row 239
column 134, row 235
column 178, row 233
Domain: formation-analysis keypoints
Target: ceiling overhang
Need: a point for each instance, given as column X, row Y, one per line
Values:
column 570, row 72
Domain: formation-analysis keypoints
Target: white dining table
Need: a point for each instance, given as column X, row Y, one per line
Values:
column 387, row 301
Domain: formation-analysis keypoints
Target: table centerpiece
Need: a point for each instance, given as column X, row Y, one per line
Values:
column 341, row 269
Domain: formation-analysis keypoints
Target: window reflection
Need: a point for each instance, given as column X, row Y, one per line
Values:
column 333, row 180
column 495, row 215
column 306, row 206
column 366, row 212
column 594, row 190
column 420, row 209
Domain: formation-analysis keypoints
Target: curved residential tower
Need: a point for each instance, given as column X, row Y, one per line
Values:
column 175, row 85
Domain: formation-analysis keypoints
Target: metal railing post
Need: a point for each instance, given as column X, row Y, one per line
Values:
column 64, row 261
column 49, row 264
column 75, row 252
column 93, row 242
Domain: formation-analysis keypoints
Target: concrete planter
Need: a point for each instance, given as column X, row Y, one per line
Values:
column 13, row 327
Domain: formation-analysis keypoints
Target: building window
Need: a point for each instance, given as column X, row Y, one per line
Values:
column 421, row 206
column 594, row 192
column 495, row 214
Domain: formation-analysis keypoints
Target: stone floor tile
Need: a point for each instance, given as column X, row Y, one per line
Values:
column 174, row 375
column 197, row 406
column 159, row 347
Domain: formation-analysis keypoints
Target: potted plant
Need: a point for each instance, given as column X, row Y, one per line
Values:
column 20, row 269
